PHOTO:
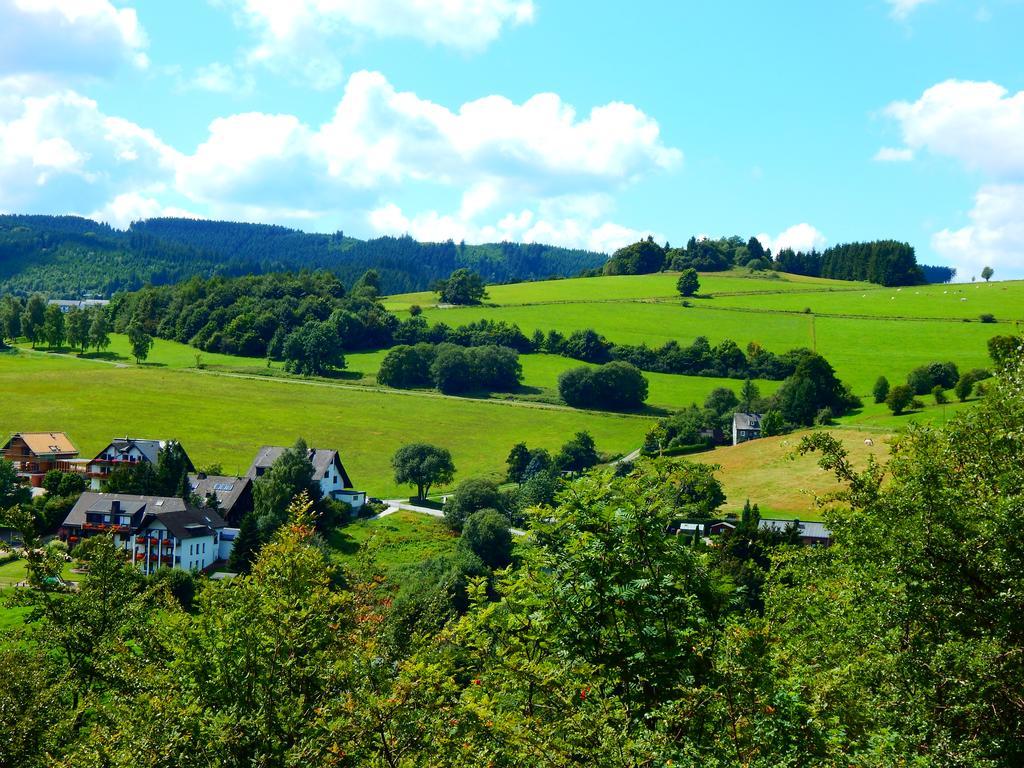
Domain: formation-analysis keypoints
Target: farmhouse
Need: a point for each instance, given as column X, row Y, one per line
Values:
column 810, row 533
column 36, row 453
column 125, row 451
column 233, row 494
column 745, row 426
column 327, row 470
column 156, row 532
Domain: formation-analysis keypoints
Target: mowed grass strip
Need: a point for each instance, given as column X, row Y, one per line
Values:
column 769, row 474
column 225, row 420
column 962, row 301
column 629, row 287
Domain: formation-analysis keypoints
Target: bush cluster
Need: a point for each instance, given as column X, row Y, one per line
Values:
column 614, row 386
column 450, row 368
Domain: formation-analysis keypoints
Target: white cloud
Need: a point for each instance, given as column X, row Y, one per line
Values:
column 60, row 152
column 799, row 237
column 534, row 171
column 981, row 125
column 379, row 139
column 554, row 222
column 303, row 36
column 70, row 37
column 894, row 155
column 133, row 206
column 901, row 9
column 218, row 77
column 994, row 237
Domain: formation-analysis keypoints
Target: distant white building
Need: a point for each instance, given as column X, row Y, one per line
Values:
column 66, row 305
column 327, row 470
column 155, row 531
column 745, row 426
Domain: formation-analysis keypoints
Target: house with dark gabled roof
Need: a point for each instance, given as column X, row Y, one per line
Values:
column 124, row 451
column 327, row 470
column 154, row 531
column 233, row 494
column 745, row 426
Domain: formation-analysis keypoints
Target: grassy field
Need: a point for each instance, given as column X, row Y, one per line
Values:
column 631, row 287
column 222, row 414
column 224, row 420
column 860, row 349
column 768, row 473
column 392, row 542
column 1004, row 300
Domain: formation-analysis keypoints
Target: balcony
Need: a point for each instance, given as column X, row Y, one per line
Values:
column 106, row 528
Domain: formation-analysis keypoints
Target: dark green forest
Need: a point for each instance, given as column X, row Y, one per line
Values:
column 73, row 257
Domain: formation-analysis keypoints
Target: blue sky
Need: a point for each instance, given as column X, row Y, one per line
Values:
column 583, row 124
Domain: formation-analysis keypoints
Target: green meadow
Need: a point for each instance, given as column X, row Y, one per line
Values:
column 224, row 419
column 964, row 301
column 860, row 348
column 633, row 287
column 223, row 407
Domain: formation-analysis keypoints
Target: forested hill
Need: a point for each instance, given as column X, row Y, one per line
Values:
column 69, row 256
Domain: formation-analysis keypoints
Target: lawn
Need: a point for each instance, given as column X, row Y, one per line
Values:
column 630, row 287
column 768, row 474
column 224, row 420
column 400, row 539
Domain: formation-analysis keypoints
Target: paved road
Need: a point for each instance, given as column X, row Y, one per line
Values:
column 396, row 504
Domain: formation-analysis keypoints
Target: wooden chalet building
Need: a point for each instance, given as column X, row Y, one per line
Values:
column 36, row 453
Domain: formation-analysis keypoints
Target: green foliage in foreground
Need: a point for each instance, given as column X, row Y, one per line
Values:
column 608, row 643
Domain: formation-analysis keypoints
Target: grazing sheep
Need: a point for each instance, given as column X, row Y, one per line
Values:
column 869, row 442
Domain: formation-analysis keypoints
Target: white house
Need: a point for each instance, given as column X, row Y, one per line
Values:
column 155, row 531
column 327, row 470
column 125, row 451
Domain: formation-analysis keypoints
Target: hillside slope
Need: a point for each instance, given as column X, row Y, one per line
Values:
column 70, row 256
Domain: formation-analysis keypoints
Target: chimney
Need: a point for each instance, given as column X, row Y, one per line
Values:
column 115, row 507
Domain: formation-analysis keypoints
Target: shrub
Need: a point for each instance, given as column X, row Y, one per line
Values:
column 939, row 394
column 823, row 417
column 487, row 534
column 470, row 496
column 881, row 389
column 964, row 387
column 406, row 367
column 923, row 379
column 615, row 386
column 899, row 398
column 688, row 283
column 588, row 346
column 987, row 318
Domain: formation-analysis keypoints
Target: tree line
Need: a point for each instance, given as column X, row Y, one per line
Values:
column 885, row 262
column 73, row 257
